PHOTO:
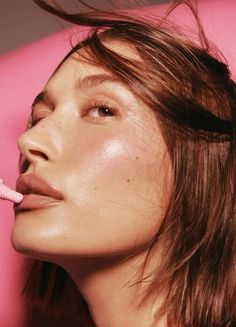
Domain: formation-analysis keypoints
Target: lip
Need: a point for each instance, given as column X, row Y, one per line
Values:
column 35, row 201
column 37, row 193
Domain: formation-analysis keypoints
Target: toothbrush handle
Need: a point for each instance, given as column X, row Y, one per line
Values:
column 8, row 194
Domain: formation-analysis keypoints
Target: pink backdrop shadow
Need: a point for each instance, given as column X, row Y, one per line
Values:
column 22, row 75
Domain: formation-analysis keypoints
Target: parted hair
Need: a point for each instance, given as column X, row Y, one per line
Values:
column 189, row 87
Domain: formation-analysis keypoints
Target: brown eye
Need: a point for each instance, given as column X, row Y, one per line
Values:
column 100, row 111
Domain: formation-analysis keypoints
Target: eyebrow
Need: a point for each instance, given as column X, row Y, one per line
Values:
column 95, row 80
column 86, row 82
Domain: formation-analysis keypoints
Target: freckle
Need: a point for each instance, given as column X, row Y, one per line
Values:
column 128, row 180
column 95, row 188
column 137, row 158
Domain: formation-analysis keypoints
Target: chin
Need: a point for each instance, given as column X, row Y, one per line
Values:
column 26, row 247
column 24, row 242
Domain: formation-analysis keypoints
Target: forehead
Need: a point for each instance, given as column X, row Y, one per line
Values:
column 83, row 57
column 81, row 63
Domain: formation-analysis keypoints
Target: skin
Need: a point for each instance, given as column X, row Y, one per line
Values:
column 114, row 174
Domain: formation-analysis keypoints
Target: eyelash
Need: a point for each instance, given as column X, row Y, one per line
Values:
column 99, row 105
column 94, row 105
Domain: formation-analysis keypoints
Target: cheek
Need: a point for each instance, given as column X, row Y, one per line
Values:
column 109, row 164
column 116, row 195
column 112, row 156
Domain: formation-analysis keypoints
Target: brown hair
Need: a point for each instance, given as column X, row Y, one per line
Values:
column 193, row 96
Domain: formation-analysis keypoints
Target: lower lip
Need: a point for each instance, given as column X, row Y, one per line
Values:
column 35, row 201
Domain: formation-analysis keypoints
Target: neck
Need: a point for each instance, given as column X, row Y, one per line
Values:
column 107, row 285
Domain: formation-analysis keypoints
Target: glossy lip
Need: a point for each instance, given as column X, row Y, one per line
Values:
column 37, row 193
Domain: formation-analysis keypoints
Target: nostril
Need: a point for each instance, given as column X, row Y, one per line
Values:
column 38, row 154
column 23, row 166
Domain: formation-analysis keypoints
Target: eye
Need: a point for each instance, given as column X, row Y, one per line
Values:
column 33, row 121
column 100, row 110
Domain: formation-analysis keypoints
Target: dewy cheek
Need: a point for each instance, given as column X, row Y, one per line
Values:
column 119, row 151
column 106, row 158
column 112, row 148
column 115, row 151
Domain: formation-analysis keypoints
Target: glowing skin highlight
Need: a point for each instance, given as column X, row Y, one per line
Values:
column 8, row 194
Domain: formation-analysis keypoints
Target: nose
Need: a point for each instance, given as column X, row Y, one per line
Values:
column 44, row 143
column 34, row 149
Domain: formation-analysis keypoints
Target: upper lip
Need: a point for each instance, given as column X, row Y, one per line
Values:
column 30, row 183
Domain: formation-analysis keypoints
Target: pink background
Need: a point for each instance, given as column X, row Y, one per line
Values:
column 22, row 75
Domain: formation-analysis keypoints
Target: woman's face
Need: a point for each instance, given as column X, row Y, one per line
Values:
column 102, row 149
